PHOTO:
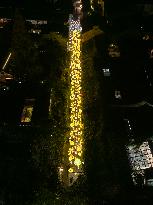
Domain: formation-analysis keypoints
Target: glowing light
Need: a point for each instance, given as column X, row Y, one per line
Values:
column 6, row 62
column 50, row 101
column 91, row 4
column 70, row 170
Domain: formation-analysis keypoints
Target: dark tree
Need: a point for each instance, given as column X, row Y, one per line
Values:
column 25, row 55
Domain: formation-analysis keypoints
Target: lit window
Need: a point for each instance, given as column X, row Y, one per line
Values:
column 106, row 72
column 37, row 31
column 151, row 53
column 3, row 22
column 27, row 111
column 39, row 22
column 146, row 37
column 113, row 51
column 118, row 94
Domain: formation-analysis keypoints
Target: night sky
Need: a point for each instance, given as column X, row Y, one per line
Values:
column 35, row 3
column 39, row 8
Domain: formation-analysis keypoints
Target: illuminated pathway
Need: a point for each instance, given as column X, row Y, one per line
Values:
column 73, row 153
column 76, row 125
